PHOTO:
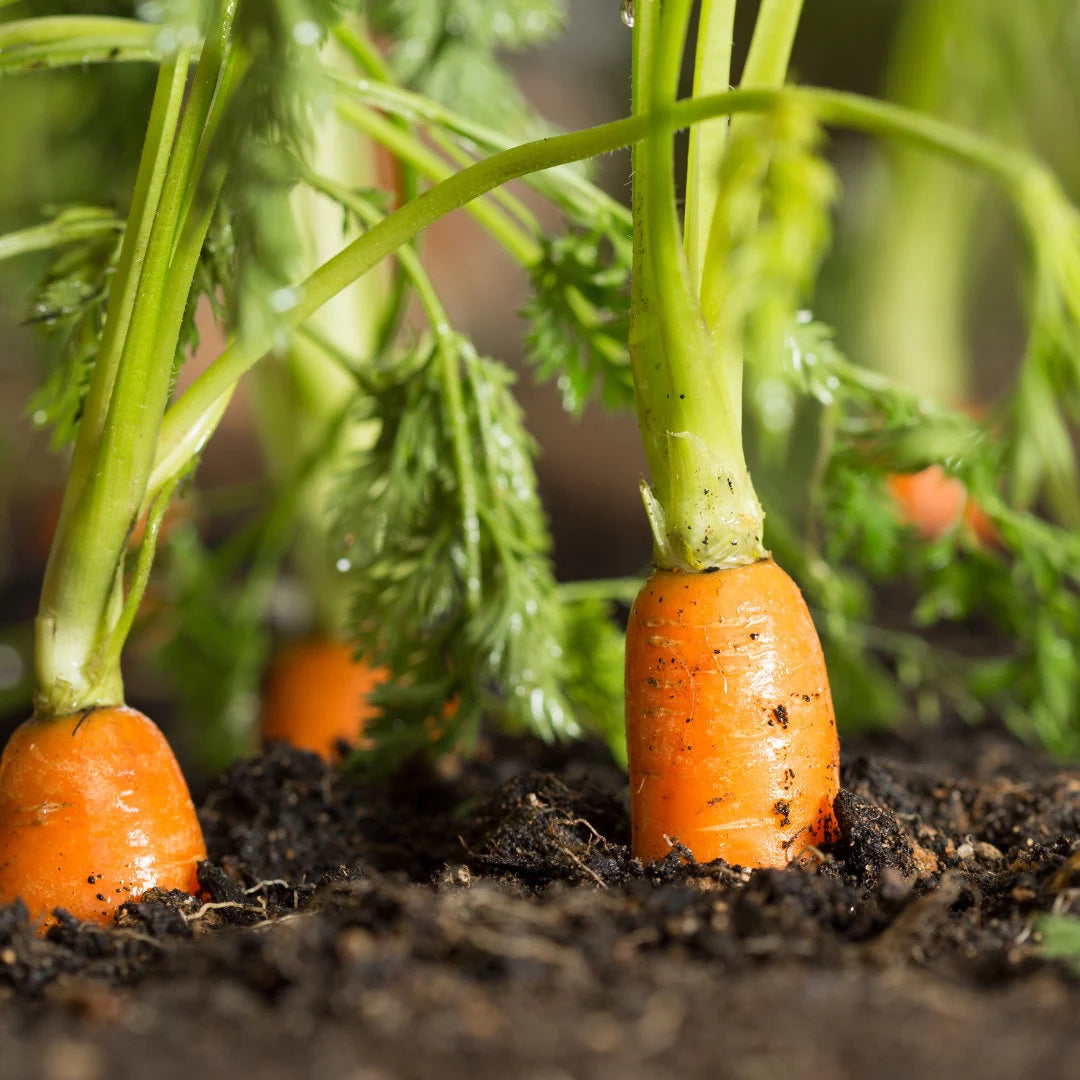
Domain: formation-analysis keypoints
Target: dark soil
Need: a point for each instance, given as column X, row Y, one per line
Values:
column 489, row 923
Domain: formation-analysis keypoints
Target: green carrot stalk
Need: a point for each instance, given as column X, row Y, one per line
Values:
column 701, row 505
column 83, row 602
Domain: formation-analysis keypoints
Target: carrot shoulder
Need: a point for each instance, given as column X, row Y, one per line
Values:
column 94, row 811
column 731, row 733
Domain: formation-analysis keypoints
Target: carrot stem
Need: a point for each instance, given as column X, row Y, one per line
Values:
column 64, row 229
column 82, row 601
column 712, row 74
column 701, row 505
column 54, row 41
column 406, row 147
column 67, row 624
column 184, row 427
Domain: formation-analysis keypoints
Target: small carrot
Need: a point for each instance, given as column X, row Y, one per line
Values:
column 934, row 503
column 930, row 501
column 315, row 696
column 730, row 727
column 731, row 735
column 93, row 812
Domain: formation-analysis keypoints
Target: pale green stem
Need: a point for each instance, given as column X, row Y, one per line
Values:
column 70, row 226
column 623, row 590
column 69, row 40
column 701, row 504
column 462, row 159
column 1012, row 169
column 149, row 184
column 523, row 247
column 109, row 656
column 712, row 75
column 68, row 624
column 770, row 47
column 406, row 105
column 766, row 67
column 81, row 596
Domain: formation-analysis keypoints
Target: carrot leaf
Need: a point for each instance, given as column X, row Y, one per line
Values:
column 584, row 350
column 448, row 556
column 449, row 50
column 1025, row 581
column 69, row 308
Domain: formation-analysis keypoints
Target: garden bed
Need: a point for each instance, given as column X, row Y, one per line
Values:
column 488, row 923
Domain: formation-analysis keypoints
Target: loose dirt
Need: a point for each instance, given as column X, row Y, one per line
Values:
column 487, row 921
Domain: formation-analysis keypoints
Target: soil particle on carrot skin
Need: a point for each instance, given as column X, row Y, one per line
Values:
column 489, row 922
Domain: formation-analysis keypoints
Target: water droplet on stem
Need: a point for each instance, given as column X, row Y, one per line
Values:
column 626, row 13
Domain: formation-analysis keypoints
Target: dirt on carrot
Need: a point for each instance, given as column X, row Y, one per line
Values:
column 491, row 923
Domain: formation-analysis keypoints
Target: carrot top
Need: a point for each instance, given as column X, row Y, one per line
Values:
column 686, row 341
column 714, row 321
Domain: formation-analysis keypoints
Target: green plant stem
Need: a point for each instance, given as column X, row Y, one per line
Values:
column 712, row 75
column 407, row 105
column 149, row 184
column 109, row 656
column 78, row 224
column 183, row 428
column 405, row 146
column 766, row 67
column 623, row 590
column 82, row 595
column 67, row 40
column 64, row 637
column 770, row 47
column 701, row 504
column 364, row 53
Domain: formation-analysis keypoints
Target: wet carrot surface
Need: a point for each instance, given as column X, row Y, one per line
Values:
column 730, row 726
column 93, row 812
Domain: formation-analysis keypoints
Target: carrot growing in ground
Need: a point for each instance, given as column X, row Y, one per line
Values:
column 93, row 807
column 449, row 531
column 731, row 736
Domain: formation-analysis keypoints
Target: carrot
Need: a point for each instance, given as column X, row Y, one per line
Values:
column 930, row 501
column 934, row 504
column 731, row 735
column 93, row 812
column 315, row 696
column 730, row 727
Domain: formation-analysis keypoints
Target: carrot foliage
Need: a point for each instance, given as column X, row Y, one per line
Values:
column 450, row 50
column 447, row 555
column 436, row 527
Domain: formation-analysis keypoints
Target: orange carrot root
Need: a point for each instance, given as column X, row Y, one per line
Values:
column 315, row 697
column 933, row 503
column 930, row 501
column 730, row 726
column 93, row 812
